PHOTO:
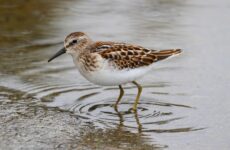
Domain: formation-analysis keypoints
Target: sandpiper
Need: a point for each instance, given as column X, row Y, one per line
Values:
column 112, row 63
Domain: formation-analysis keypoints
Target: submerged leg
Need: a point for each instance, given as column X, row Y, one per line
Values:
column 138, row 95
column 120, row 96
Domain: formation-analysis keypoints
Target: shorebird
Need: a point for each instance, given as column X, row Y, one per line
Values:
column 112, row 63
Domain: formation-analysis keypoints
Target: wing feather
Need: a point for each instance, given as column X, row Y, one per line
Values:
column 125, row 56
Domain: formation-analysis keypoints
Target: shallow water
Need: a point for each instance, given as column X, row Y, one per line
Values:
column 184, row 104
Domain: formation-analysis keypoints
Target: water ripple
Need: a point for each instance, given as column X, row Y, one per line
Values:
column 152, row 115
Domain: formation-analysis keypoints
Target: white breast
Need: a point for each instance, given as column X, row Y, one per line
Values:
column 110, row 76
column 115, row 77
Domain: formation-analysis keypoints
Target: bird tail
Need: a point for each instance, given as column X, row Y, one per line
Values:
column 163, row 54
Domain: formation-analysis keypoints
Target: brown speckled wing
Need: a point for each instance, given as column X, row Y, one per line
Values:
column 125, row 56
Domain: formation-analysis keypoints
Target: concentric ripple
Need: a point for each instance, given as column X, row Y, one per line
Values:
column 152, row 115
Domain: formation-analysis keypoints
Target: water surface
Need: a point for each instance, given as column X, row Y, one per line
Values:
column 184, row 104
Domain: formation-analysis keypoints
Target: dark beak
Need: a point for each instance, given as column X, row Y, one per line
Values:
column 60, row 52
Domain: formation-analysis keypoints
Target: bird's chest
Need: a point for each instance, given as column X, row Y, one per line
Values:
column 88, row 64
column 95, row 69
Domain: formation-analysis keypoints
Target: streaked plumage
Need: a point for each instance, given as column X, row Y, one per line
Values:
column 112, row 63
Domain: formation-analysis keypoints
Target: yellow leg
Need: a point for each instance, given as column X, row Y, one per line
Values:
column 138, row 95
column 138, row 122
column 120, row 96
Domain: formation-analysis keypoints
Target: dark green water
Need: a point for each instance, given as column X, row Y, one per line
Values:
column 185, row 101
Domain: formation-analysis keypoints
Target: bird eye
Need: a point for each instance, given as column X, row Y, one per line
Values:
column 74, row 41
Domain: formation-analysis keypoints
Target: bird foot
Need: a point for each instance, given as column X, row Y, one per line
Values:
column 132, row 110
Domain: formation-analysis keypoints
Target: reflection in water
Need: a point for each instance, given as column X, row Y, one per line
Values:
column 121, row 119
column 152, row 116
column 33, row 30
column 118, row 137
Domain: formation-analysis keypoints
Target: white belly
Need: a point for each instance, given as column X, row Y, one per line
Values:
column 110, row 77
